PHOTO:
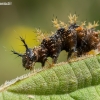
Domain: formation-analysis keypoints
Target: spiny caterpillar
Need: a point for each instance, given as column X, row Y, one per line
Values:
column 71, row 38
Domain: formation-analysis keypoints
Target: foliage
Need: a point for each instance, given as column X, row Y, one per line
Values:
column 76, row 80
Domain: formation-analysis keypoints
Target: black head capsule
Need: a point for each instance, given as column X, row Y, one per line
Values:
column 28, row 58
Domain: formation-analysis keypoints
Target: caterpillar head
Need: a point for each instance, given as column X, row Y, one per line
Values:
column 28, row 58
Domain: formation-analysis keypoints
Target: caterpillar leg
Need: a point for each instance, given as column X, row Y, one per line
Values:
column 54, row 60
column 69, row 54
column 46, row 61
column 50, row 65
column 72, row 53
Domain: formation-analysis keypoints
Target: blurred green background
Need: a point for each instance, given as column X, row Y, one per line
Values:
column 23, row 16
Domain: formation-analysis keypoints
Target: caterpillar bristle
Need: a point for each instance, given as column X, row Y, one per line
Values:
column 90, row 25
column 62, row 23
column 41, row 35
column 72, row 18
column 95, row 24
column 59, row 24
column 83, row 24
column 55, row 23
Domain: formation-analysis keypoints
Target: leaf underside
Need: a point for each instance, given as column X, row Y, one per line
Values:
column 78, row 80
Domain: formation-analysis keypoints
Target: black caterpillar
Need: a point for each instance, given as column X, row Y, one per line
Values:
column 72, row 38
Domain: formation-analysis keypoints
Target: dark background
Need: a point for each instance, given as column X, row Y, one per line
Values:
column 23, row 16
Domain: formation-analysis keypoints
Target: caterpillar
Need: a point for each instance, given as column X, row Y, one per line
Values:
column 72, row 38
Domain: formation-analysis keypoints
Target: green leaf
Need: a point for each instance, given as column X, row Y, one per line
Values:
column 76, row 80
